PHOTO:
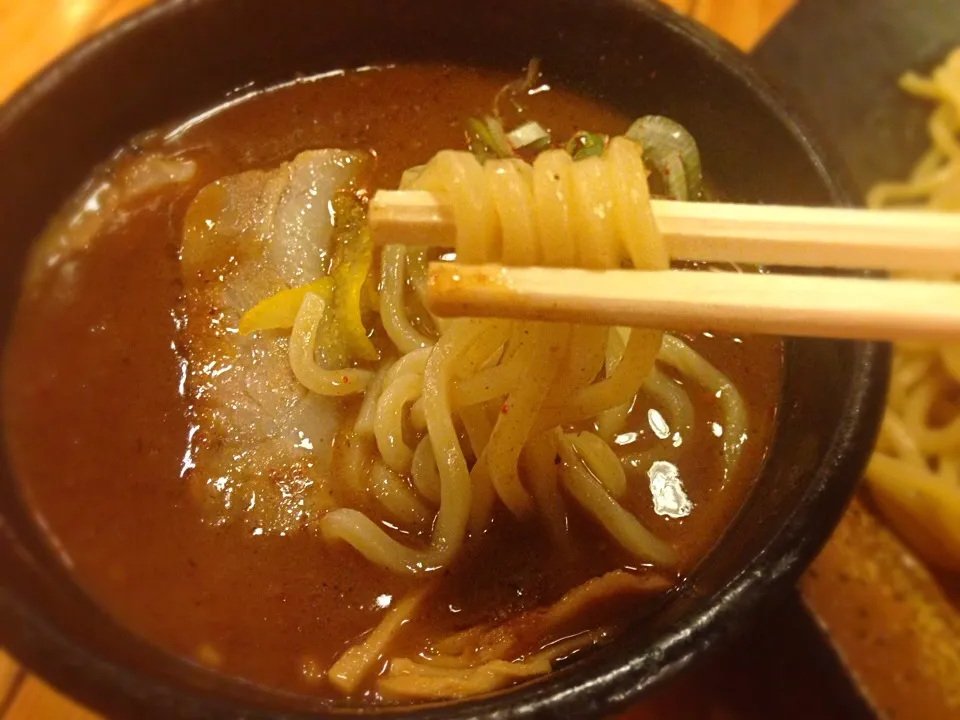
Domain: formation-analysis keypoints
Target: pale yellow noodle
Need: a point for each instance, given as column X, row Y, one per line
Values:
column 357, row 456
column 551, row 198
column 631, row 207
column 950, row 357
column 490, row 383
column 914, row 475
column 487, row 351
column 617, row 389
column 367, row 414
column 449, row 528
column 894, row 431
column 680, row 356
column 511, row 196
column 582, row 363
column 591, row 209
column 923, row 508
column 601, row 460
column 303, row 362
column 426, row 477
column 400, row 502
column 418, row 260
column 618, row 522
column 479, row 427
column 931, row 440
column 611, row 423
column 388, row 426
column 539, row 462
column 487, row 388
column 418, row 416
column 672, row 398
column 501, row 455
column 458, row 178
column 393, row 307
column 412, row 363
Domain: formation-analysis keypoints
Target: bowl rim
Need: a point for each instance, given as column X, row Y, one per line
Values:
column 607, row 686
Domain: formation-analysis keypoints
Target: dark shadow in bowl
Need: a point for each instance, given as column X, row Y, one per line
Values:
column 848, row 85
column 171, row 60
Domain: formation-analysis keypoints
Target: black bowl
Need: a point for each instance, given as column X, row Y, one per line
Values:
column 854, row 97
column 182, row 56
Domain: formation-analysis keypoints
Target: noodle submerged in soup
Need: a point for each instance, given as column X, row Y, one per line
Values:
column 252, row 443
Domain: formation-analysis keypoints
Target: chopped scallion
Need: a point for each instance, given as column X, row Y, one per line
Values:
column 486, row 139
column 528, row 135
column 586, row 144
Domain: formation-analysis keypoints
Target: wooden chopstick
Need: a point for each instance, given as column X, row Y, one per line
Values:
column 726, row 232
column 798, row 305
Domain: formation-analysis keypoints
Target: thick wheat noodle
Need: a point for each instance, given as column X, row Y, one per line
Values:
column 487, row 351
column 680, row 356
column 672, row 398
column 895, row 432
column 367, row 414
column 931, row 440
column 538, row 461
column 502, row 383
column 581, row 364
column 303, row 339
column 424, row 473
column 913, row 474
column 412, row 363
column 612, row 422
column 620, row 387
column 620, row 524
column 400, row 502
column 602, row 462
column 490, row 383
column 486, row 388
column 418, row 261
column 368, row 537
column 501, row 456
column 400, row 330
column 388, row 426
column 478, row 427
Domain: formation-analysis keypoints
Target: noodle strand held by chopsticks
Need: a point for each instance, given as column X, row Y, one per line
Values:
column 496, row 399
column 467, row 414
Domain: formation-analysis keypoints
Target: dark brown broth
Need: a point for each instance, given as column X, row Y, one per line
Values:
column 97, row 428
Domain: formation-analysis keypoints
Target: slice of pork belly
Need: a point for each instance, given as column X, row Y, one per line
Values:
column 259, row 448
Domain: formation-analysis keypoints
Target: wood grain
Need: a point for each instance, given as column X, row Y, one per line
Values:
column 11, row 678
column 34, row 32
column 36, row 700
column 898, row 632
column 743, row 233
column 742, row 22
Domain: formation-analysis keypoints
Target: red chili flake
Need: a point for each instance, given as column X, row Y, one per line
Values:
column 346, row 379
column 503, row 408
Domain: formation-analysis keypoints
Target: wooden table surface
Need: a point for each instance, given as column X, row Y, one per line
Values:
column 33, row 32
